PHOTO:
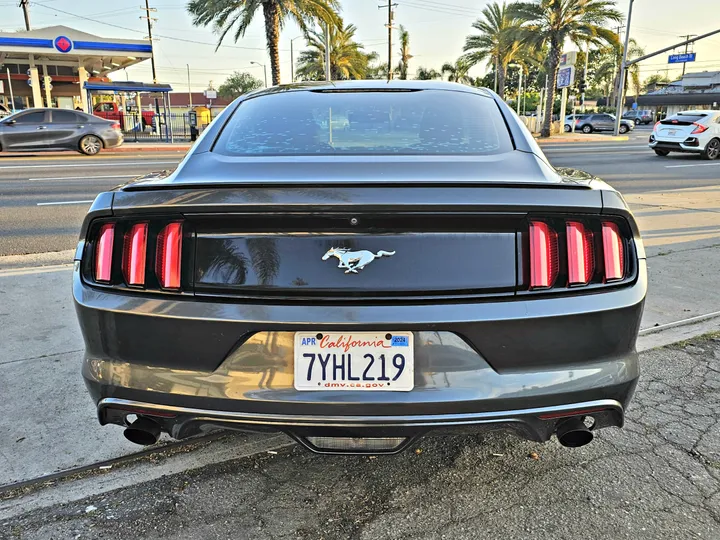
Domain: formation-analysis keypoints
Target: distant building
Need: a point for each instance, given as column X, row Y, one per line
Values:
column 699, row 90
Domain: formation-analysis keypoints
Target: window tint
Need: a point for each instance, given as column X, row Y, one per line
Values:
column 366, row 123
column 36, row 117
column 65, row 117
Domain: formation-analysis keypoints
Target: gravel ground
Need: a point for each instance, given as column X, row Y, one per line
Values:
column 659, row 477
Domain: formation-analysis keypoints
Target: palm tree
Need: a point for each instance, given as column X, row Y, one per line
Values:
column 405, row 55
column 225, row 15
column 347, row 58
column 457, row 72
column 425, row 74
column 552, row 22
column 498, row 41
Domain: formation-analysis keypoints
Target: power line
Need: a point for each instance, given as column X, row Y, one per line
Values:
column 141, row 32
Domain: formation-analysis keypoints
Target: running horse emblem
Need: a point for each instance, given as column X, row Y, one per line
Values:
column 353, row 261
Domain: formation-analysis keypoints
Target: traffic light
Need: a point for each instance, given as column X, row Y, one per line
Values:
column 582, row 86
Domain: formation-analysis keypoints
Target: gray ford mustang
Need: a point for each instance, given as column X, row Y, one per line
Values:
column 359, row 264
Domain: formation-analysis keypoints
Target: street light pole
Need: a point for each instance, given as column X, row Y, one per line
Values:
column 623, row 73
column 292, row 60
column 264, row 70
column 189, row 89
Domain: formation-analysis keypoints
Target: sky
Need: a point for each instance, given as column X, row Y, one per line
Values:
column 437, row 34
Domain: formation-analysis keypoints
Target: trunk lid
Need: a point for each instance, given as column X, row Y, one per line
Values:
column 438, row 242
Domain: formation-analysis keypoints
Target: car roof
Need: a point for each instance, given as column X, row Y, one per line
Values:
column 378, row 85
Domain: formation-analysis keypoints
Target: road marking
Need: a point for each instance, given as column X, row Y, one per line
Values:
column 693, row 165
column 60, row 166
column 82, row 177
column 36, row 270
column 63, row 202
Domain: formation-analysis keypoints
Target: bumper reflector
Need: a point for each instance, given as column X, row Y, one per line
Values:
column 356, row 444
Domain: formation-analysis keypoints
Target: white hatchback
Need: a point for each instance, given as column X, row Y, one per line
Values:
column 695, row 132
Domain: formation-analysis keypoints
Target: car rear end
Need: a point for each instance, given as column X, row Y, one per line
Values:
column 359, row 301
column 687, row 132
column 110, row 131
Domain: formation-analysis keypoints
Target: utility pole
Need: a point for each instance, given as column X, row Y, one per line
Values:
column 687, row 37
column 189, row 89
column 25, row 5
column 623, row 70
column 582, row 94
column 150, row 20
column 389, row 26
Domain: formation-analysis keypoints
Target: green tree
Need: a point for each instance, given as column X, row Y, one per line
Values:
column 457, row 72
column 553, row 22
column 405, row 55
column 348, row 60
column 237, row 84
column 425, row 74
column 654, row 80
column 498, row 41
column 226, row 15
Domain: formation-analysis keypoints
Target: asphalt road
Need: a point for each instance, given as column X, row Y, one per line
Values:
column 658, row 478
column 43, row 199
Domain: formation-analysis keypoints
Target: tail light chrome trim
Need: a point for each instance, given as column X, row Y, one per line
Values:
column 544, row 264
column 168, row 256
column 104, row 253
column 135, row 254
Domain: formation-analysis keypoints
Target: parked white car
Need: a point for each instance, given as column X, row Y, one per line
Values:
column 4, row 111
column 696, row 132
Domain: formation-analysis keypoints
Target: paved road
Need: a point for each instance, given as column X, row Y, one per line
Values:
column 43, row 200
column 659, row 478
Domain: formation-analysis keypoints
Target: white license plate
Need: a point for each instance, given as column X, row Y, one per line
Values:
column 354, row 361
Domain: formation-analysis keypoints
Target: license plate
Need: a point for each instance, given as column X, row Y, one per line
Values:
column 671, row 132
column 354, row 361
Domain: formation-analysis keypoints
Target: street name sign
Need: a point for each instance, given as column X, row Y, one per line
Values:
column 681, row 58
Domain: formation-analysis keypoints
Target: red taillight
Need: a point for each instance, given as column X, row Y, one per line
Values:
column 543, row 255
column 134, row 254
column 115, row 126
column 613, row 252
column 104, row 253
column 168, row 256
column 699, row 129
column 581, row 257
column 656, row 125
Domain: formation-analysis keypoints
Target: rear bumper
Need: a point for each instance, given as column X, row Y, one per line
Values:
column 478, row 365
column 537, row 424
column 675, row 147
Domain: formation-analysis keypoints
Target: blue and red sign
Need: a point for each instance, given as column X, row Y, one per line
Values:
column 63, row 44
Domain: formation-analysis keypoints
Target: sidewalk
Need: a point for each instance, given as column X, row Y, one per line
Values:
column 149, row 147
column 47, row 407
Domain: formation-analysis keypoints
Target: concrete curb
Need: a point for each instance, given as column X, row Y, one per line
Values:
column 581, row 139
column 36, row 260
column 132, row 147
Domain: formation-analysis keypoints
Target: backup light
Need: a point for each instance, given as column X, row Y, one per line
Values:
column 168, row 256
column 613, row 252
column 104, row 253
column 543, row 255
column 581, row 258
column 134, row 254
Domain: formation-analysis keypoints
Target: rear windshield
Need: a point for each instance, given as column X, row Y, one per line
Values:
column 684, row 119
column 369, row 123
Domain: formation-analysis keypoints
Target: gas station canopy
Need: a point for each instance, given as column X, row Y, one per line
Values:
column 69, row 57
